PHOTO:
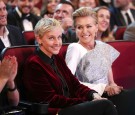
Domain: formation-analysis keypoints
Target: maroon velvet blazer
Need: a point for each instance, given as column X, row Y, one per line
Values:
column 43, row 85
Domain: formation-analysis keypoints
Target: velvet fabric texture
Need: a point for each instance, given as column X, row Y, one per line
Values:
column 42, row 84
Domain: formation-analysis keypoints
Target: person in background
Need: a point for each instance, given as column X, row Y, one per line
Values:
column 103, row 33
column 63, row 13
column 121, row 14
column 48, row 79
column 50, row 8
column 13, row 4
column 9, row 35
column 9, row 94
column 22, row 17
column 88, row 3
column 129, row 33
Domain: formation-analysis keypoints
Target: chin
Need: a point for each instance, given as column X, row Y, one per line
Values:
column 56, row 52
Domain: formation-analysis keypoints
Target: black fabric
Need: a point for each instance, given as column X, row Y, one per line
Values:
column 99, row 107
column 3, row 98
column 128, row 18
column 124, row 102
column 50, row 61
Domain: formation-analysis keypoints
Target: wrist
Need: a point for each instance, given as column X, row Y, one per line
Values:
column 11, row 89
column 96, row 96
column 11, row 86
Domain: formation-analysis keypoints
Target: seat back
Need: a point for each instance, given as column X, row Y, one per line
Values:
column 21, row 53
column 63, row 50
column 124, row 66
column 120, row 32
column 29, row 37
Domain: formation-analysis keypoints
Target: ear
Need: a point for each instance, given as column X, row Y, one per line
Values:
column 38, row 39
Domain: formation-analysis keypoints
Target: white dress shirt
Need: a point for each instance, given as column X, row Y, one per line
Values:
column 26, row 23
column 5, row 38
column 130, row 15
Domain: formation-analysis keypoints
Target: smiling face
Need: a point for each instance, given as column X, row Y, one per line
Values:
column 25, row 6
column 86, row 29
column 3, row 14
column 51, row 41
column 63, row 11
column 51, row 5
column 103, row 20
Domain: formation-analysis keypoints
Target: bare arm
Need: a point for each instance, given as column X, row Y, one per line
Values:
column 112, row 88
column 110, row 77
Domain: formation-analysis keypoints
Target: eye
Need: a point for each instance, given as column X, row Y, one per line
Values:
column 57, row 11
column 79, row 27
column 51, row 38
column 89, row 26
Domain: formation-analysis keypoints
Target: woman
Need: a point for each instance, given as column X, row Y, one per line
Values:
column 48, row 79
column 103, row 15
column 91, row 60
column 86, row 27
column 50, row 8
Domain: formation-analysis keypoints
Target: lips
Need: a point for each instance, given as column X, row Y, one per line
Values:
column 85, row 36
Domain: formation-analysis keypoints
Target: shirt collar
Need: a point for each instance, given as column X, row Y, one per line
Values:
column 123, row 12
column 18, row 11
column 6, row 32
column 44, row 57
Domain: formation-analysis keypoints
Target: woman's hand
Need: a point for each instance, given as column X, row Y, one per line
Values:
column 113, row 89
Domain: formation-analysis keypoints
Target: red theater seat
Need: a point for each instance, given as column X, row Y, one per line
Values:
column 21, row 53
column 120, row 32
column 124, row 66
column 29, row 37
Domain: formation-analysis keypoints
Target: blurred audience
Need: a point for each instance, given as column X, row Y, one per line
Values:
column 63, row 13
column 104, row 33
column 50, row 8
column 22, row 17
column 121, row 13
column 129, row 33
column 9, row 35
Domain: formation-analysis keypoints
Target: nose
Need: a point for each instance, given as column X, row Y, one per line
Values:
column 56, row 41
column 84, row 30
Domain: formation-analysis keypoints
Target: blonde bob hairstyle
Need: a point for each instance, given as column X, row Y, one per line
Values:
column 83, row 12
column 45, row 25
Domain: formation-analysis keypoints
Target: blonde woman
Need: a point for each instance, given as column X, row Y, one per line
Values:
column 92, row 59
column 48, row 79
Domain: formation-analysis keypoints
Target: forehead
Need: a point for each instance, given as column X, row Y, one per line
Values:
column 84, row 20
column 2, row 4
column 26, row 0
column 102, row 11
column 65, row 7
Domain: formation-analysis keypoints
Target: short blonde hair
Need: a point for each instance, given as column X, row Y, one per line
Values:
column 83, row 12
column 45, row 25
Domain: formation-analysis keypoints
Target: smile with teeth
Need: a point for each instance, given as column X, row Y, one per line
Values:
column 85, row 36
